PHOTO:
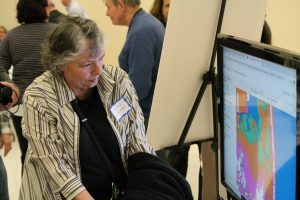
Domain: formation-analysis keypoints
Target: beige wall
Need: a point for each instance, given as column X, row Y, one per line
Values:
column 96, row 9
column 115, row 35
column 283, row 18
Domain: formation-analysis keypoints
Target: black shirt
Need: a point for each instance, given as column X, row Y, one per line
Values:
column 95, row 174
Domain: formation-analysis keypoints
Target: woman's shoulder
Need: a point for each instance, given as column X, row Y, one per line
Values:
column 115, row 72
column 48, row 89
column 114, row 76
column 41, row 85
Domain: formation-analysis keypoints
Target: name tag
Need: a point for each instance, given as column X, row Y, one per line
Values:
column 120, row 108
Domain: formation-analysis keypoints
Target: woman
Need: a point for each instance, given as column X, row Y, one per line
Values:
column 21, row 48
column 62, row 160
column 160, row 10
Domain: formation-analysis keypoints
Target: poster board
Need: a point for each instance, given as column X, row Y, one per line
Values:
column 186, row 55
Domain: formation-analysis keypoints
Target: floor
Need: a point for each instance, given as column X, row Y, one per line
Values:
column 13, row 166
column 12, row 163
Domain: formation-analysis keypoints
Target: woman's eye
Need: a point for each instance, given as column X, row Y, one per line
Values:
column 101, row 58
column 87, row 64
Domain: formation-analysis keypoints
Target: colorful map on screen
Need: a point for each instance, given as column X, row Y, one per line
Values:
column 255, row 148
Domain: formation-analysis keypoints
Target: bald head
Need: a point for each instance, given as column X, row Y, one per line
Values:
column 65, row 2
column 128, row 2
column 3, row 32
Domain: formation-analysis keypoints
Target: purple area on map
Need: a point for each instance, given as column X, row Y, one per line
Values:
column 250, row 185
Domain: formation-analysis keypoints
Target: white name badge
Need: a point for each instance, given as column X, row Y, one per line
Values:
column 120, row 108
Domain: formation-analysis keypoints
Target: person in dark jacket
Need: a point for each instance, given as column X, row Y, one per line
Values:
column 140, row 55
column 54, row 14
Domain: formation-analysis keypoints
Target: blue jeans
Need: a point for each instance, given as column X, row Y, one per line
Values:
column 3, row 182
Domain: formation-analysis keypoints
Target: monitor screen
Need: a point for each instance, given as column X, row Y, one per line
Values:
column 258, row 120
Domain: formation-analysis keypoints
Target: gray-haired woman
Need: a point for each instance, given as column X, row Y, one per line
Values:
column 77, row 103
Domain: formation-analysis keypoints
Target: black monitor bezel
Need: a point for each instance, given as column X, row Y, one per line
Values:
column 264, row 51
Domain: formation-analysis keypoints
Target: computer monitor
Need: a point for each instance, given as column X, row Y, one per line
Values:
column 258, row 84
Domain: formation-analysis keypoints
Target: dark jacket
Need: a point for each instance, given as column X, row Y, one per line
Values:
column 150, row 178
column 55, row 16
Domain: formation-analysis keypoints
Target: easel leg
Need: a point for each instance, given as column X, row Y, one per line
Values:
column 181, row 161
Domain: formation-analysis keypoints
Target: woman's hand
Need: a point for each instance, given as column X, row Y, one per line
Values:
column 5, row 143
column 84, row 195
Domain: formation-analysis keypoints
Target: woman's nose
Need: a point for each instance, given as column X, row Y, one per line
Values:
column 97, row 68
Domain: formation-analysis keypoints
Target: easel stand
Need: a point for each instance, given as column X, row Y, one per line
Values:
column 208, row 78
column 229, row 196
column 177, row 151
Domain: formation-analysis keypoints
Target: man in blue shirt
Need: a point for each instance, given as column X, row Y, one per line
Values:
column 141, row 52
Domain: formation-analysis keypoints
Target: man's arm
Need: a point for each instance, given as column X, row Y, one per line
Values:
column 6, row 143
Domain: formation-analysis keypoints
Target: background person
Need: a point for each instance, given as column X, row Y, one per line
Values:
column 21, row 49
column 5, row 134
column 61, row 160
column 75, row 8
column 5, row 130
column 140, row 55
column 54, row 14
column 266, row 36
column 3, row 32
column 160, row 10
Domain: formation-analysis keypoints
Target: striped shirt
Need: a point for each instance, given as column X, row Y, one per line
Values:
column 21, row 49
column 51, row 167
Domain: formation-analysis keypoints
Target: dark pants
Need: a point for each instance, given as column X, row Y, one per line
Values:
column 23, row 143
column 3, row 182
column 181, row 163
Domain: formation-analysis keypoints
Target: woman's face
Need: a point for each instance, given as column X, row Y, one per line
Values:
column 165, row 10
column 82, row 73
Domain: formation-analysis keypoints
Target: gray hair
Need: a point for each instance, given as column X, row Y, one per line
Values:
column 128, row 2
column 70, row 38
